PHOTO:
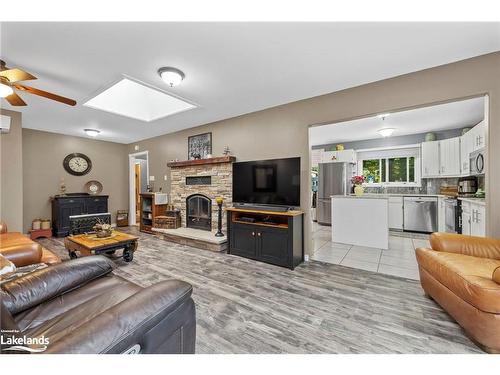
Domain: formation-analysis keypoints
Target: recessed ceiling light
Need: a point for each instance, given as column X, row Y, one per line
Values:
column 171, row 76
column 92, row 132
column 5, row 90
column 139, row 101
column 383, row 115
column 387, row 132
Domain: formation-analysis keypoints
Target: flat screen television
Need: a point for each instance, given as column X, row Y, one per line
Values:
column 267, row 182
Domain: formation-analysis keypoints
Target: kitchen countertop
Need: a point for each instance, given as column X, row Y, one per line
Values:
column 480, row 201
column 386, row 196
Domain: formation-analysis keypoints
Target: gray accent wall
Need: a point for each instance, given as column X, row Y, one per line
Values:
column 43, row 155
column 11, row 181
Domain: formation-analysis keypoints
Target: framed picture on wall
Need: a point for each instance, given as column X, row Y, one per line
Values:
column 199, row 146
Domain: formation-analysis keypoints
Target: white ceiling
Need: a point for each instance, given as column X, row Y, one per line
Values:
column 452, row 115
column 231, row 68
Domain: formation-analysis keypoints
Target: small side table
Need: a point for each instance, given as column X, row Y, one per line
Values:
column 37, row 233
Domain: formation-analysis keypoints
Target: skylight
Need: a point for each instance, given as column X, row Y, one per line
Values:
column 132, row 99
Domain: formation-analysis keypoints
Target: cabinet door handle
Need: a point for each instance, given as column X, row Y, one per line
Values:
column 253, row 234
column 258, row 234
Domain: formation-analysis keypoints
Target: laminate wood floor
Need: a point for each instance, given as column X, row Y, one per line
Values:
column 248, row 307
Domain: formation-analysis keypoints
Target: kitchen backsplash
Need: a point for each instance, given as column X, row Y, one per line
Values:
column 429, row 186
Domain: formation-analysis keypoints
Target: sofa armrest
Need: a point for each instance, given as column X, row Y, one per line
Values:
column 3, row 227
column 39, row 286
column 23, row 254
column 481, row 247
column 49, row 258
column 157, row 319
column 496, row 275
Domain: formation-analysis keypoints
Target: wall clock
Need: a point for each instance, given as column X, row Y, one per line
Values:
column 77, row 164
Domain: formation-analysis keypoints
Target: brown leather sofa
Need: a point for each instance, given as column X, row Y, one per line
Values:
column 462, row 274
column 80, row 306
column 22, row 251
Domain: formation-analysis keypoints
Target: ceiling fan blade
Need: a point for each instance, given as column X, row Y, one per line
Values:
column 46, row 94
column 15, row 75
column 15, row 100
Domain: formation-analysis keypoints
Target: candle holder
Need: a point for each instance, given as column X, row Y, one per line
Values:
column 219, row 202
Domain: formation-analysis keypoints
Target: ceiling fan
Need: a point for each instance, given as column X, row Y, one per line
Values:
column 9, row 79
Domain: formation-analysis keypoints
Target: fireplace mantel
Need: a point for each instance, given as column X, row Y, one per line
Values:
column 188, row 163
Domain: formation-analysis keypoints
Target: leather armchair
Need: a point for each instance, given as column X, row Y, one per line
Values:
column 80, row 306
column 22, row 251
column 462, row 274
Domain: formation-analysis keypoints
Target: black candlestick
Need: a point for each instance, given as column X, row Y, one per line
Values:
column 219, row 221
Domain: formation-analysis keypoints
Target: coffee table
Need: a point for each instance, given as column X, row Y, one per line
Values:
column 89, row 244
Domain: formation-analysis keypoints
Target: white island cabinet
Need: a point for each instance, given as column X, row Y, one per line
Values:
column 361, row 221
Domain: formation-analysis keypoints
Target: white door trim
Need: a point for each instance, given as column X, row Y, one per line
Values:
column 131, row 184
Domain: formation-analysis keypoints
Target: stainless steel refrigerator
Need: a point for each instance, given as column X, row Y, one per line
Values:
column 333, row 179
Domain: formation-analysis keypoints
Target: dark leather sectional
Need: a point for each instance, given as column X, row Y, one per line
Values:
column 82, row 307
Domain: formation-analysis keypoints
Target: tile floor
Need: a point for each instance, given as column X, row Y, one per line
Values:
column 398, row 260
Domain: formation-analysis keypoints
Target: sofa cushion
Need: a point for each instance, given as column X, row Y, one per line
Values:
column 62, row 315
column 468, row 277
column 6, row 266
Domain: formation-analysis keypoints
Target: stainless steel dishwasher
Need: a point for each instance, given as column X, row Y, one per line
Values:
column 420, row 214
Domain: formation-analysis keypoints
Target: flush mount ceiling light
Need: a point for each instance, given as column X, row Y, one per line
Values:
column 5, row 90
column 383, row 115
column 386, row 132
column 171, row 76
column 92, row 132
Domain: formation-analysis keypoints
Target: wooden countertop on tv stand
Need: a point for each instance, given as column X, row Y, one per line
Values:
column 277, row 213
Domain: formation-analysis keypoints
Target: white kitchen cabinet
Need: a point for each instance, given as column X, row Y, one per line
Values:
column 477, row 136
column 466, row 141
column 430, row 159
column 396, row 212
column 348, row 156
column 441, row 215
column 449, row 157
column 466, row 218
column 477, row 219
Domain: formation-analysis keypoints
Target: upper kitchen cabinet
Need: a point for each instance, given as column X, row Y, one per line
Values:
column 430, row 158
column 347, row 156
column 478, row 136
column 449, row 157
column 441, row 158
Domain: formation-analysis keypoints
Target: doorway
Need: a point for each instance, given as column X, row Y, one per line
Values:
column 138, row 182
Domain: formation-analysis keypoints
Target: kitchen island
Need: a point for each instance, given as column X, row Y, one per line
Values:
column 361, row 220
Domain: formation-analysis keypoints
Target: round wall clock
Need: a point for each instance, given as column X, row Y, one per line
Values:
column 77, row 164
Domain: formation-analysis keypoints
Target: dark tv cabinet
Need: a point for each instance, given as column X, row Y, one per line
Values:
column 267, row 236
column 64, row 206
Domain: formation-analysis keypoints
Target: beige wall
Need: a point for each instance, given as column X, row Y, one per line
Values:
column 283, row 131
column 43, row 154
column 11, row 186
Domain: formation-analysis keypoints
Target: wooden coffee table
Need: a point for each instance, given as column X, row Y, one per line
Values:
column 89, row 244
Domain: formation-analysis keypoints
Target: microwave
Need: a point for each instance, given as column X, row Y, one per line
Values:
column 477, row 160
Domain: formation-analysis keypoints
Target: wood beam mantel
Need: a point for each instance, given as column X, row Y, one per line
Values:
column 187, row 163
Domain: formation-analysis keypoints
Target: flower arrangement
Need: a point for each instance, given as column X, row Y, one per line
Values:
column 357, row 180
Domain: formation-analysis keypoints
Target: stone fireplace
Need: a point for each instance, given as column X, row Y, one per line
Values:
column 199, row 212
column 194, row 185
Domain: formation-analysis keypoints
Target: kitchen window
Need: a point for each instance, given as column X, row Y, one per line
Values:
column 392, row 167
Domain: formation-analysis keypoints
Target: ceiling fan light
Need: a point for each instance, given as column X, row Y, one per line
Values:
column 171, row 76
column 386, row 132
column 92, row 132
column 5, row 90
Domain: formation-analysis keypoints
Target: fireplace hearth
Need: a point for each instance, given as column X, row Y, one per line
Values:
column 199, row 212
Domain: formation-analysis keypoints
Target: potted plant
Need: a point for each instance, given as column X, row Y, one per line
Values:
column 358, row 181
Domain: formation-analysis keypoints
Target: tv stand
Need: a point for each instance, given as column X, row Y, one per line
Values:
column 268, row 236
column 262, row 207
